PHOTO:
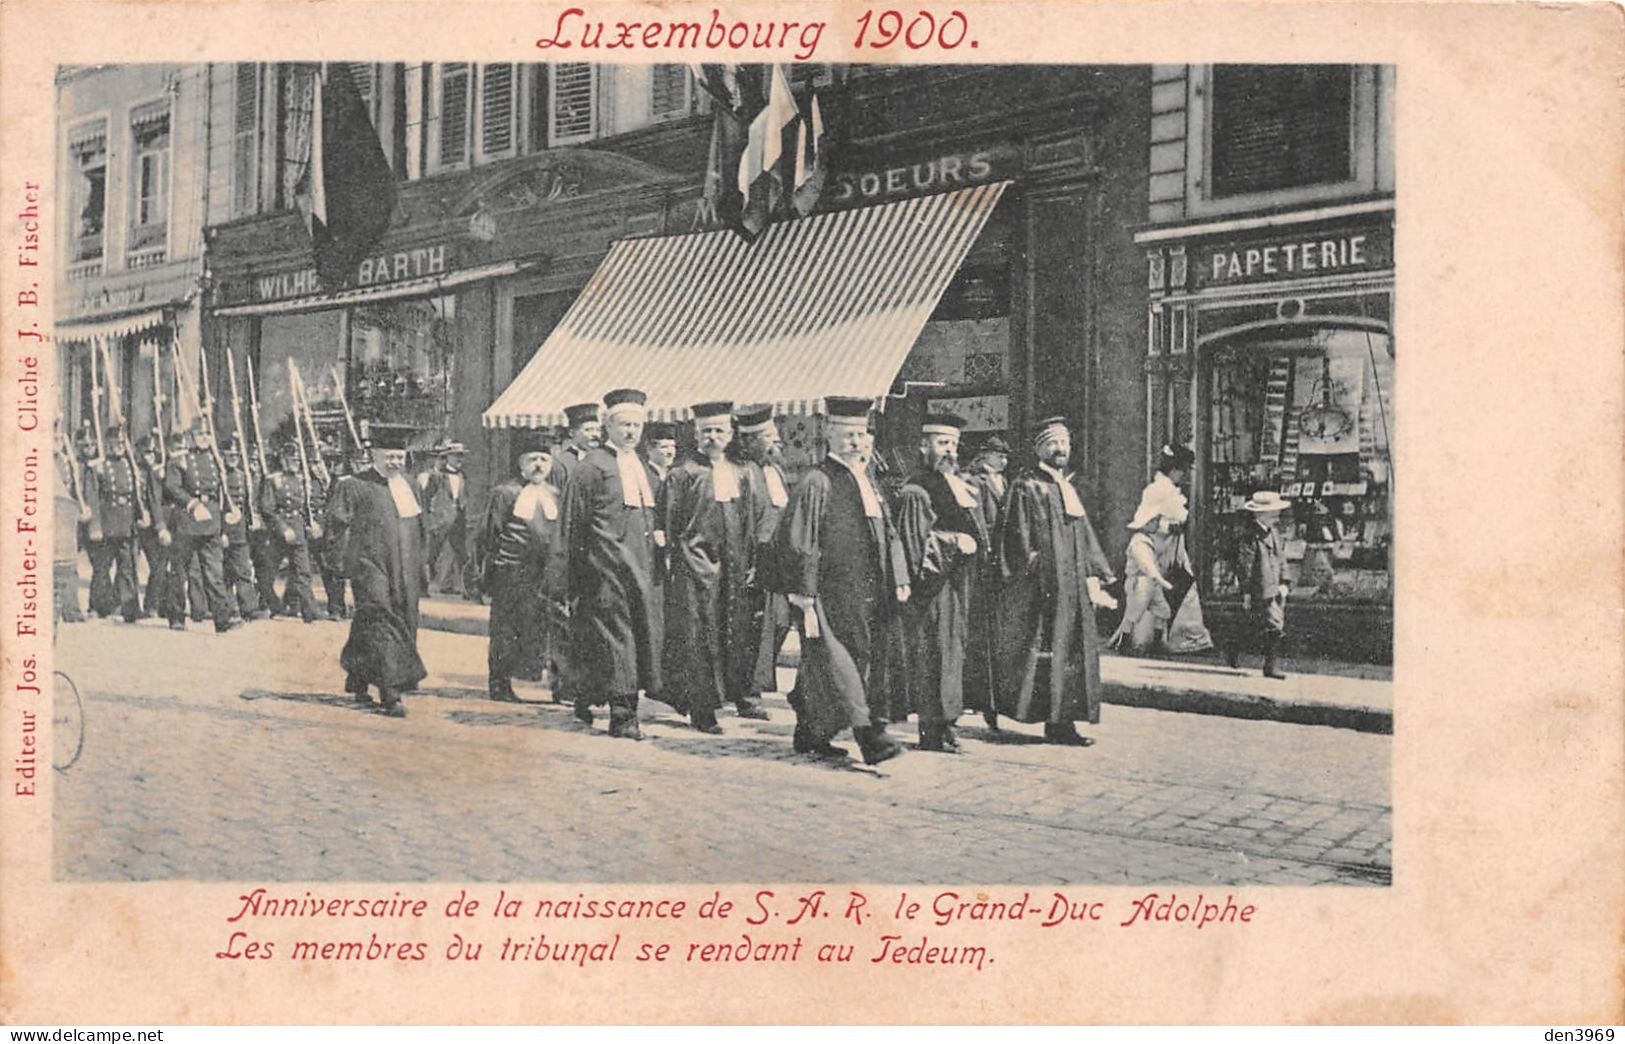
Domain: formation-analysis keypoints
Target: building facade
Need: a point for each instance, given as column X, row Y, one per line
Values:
column 514, row 181
column 1268, row 348
column 133, row 191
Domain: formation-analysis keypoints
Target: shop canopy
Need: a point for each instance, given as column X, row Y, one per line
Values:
column 111, row 328
column 827, row 305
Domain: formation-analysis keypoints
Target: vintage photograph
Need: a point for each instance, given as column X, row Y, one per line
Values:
column 716, row 473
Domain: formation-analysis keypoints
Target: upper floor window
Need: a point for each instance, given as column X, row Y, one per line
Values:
column 1280, row 127
column 473, row 114
column 572, row 103
column 149, row 175
column 671, row 92
column 87, row 145
column 245, row 140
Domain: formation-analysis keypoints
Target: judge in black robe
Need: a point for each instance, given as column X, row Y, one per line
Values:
column 939, row 520
column 610, row 538
column 840, row 565
column 379, row 523
column 710, row 537
column 1048, row 647
column 521, row 569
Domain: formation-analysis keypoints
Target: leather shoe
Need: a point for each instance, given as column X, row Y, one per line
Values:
column 583, row 713
column 1066, row 736
column 752, row 711
column 992, row 720
column 628, row 730
column 395, row 710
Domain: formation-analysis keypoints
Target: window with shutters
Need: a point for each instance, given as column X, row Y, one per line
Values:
column 1275, row 127
column 499, row 109
column 149, row 179
column 87, row 144
column 572, row 103
column 245, row 140
column 453, row 115
column 671, row 90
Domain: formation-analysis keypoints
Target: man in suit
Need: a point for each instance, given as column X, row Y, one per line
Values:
column 840, row 565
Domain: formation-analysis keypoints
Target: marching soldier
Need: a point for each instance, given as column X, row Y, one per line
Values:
column 195, row 489
column 239, row 570
column 287, row 506
column 90, row 530
column 70, row 513
column 324, row 554
column 263, row 542
column 154, row 536
column 112, row 492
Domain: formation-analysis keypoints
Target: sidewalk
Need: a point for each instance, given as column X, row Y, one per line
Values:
column 1200, row 686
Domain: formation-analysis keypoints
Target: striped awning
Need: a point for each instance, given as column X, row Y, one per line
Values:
column 827, row 305
column 94, row 329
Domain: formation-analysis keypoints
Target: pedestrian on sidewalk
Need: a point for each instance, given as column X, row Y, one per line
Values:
column 379, row 524
column 840, row 567
column 610, row 538
column 711, row 540
column 521, row 564
column 1162, row 608
column 1261, row 572
column 1055, row 575
column 945, row 539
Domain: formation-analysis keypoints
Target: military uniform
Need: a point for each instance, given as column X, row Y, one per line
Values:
column 194, row 490
column 65, row 537
column 151, row 542
column 111, row 492
column 325, row 555
column 237, row 566
column 283, row 497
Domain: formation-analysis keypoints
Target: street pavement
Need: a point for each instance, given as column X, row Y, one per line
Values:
column 238, row 757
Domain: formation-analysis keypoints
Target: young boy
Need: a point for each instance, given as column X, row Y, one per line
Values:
column 1261, row 572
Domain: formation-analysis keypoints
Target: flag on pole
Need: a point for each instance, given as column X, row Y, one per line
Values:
column 761, row 181
column 810, row 167
column 347, row 193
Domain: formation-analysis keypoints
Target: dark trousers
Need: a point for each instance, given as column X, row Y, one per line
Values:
column 297, row 594
column 112, row 578
column 448, row 579
column 205, row 553
column 325, row 558
column 157, row 568
column 262, row 549
column 239, row 578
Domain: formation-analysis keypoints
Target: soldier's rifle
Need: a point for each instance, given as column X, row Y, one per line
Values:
column 242, row 440
column 96, row 423
column 299, row 440
column 206, row 408
column 349, row 418
column 254, row 417
column 115, row 413
column 158, row 407
column 317, row 461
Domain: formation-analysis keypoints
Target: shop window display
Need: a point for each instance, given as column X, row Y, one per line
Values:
column 1312, row 418
column 403, row 360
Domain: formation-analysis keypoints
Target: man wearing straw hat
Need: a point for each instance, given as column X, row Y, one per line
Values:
column 610, row 539
column 1055, row 572
column 1261, row 573
column 840, row 566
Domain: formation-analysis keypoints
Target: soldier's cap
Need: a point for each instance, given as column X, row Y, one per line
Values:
column 755, row 417
column 624, row 400
column 848, row 408
column 943, row 424
column 659, row 432
column 229, row 444
column 581, row 413
column 708, row 410
column 200, row 426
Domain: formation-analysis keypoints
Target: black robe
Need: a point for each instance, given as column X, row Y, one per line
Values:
column 981, row 673
column 521, row 560
column 1048, row 648
column 383, row 557
column 710, row 546
column 770, row 606
column 936, row 619
column 611, row 581
column 850, row 564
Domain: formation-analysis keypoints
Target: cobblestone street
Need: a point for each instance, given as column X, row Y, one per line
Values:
column 238, row 757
